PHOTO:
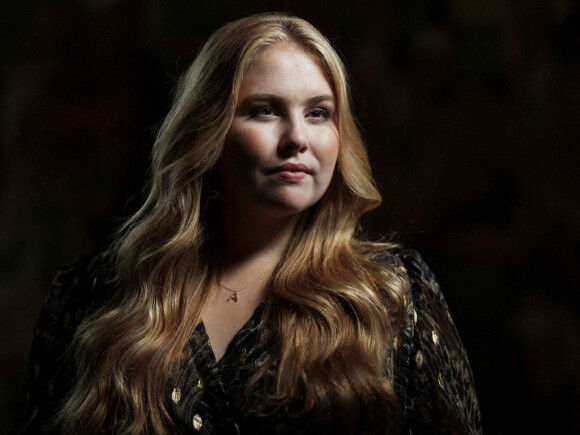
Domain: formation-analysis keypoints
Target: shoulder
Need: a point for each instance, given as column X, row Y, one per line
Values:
column 439, row 394
column 78, row 290
column 426, row 294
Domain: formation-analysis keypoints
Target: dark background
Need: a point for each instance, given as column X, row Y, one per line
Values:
column 471, row 112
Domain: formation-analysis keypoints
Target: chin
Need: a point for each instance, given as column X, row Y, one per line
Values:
column 288, row 208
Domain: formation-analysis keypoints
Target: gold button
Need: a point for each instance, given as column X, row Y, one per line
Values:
column 176, row 395
column 199, row 383
column 197, row 422
column 396, row 342
column 435, row 337
column 419, row 359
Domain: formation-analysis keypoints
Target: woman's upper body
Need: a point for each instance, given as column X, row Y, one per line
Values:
column 239, row 297
column 430, row 369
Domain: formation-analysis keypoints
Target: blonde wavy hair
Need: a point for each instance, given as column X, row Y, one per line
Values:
column 332, row 309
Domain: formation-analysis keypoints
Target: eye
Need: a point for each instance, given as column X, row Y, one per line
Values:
column 262, row 111
column 319, row 113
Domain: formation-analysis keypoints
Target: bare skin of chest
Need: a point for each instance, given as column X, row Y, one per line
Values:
column 223, row 319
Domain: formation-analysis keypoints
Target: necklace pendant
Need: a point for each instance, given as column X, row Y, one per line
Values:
column 233, row 297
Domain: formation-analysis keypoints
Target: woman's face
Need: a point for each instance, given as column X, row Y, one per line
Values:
column 281, row 148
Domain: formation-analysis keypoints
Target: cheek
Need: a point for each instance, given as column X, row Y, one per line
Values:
column 328, row 151
column 247, row 145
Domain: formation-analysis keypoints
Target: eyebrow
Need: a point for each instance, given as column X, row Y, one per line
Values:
column 273, row 97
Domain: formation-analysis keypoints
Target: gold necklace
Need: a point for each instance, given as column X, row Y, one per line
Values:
column 234, row 296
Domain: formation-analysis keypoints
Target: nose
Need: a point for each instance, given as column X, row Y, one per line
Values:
column 294, row 138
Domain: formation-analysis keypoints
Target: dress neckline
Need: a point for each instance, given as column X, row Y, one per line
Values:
column 254, row 319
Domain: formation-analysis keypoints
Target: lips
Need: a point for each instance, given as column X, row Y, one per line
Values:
column 291, row 172
column 291, row 167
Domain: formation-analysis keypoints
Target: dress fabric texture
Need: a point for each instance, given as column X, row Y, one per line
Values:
column 430, row 370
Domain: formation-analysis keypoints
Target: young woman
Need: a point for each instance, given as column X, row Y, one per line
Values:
column 239, row 298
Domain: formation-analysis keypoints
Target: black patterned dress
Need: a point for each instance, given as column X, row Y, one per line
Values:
column 430, row 370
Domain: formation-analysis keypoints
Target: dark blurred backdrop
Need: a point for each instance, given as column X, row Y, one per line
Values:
column 471, row 112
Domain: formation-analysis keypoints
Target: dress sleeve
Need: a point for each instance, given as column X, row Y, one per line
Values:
column 50, row 369
column 440, row 395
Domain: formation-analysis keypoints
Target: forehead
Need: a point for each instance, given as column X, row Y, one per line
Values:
column 282, row 65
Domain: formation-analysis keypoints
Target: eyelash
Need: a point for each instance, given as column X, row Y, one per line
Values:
column 260, row 111
column 316, row 112
column 321, row 110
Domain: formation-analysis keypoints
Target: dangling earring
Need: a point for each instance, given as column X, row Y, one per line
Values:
column 208, row 195
column 210, row 182
column 212, row 193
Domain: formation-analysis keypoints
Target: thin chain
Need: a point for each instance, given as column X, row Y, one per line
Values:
column 234, row 296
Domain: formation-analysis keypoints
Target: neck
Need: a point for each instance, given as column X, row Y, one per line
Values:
column 252, row 243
